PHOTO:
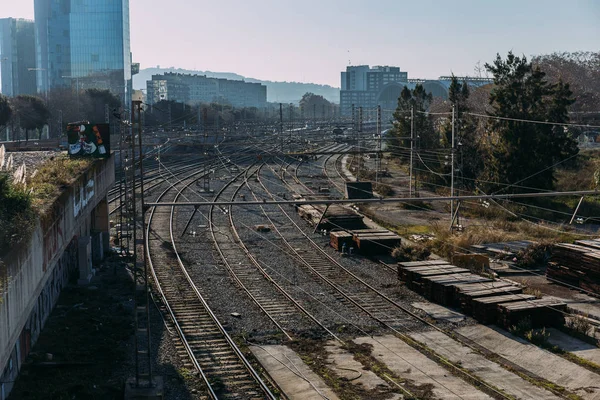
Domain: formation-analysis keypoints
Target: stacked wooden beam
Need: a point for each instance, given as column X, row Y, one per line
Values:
column 413, row 276
column 542, row 312
column 485, row 309
column 577, row 264
column 502, row 249
column 469, row 292
column 489, row 301
column 375, row 241
column 442, row 288
column 342, row 221
column 338, row 238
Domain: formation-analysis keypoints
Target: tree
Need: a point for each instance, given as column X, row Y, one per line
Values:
column 470, row 154
column 5, row 110
column 314, row 106
column 582, row 71
column 30, row 113
column 525, row 152
column 417, row 100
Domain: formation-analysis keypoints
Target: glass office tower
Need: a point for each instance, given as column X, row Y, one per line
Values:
column 84, row 44
column 17, row 57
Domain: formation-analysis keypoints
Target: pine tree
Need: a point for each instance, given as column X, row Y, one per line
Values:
column 418, row 100
column 525, row 150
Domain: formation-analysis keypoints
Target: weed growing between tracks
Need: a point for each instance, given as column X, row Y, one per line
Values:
column 314, row 355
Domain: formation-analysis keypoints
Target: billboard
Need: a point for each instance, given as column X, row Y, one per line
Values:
column 88, row 140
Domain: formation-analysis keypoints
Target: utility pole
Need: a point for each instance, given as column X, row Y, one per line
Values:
column 412, row 143
column 359, row 132
column 106, row 114
column 281, row 125
column 378, row 133
column 291, row 124
column 143, row 359
column 452, row 171
column 170, row 119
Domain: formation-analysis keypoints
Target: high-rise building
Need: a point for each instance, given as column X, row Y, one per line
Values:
column 194, row 89
column 369, row 87
column 17, row 57
column 83, row 44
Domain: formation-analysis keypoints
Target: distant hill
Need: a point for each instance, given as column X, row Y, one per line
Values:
column 279, row 92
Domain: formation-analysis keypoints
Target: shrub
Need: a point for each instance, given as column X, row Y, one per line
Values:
column 410, row 253
column 17, row 218
column 383, row 189
column 534, row 255
column 579, row 324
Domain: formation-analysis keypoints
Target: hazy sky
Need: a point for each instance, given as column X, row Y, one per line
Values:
column 313, row 40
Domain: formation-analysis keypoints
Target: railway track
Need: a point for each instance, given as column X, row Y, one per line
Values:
column 221, row 364
column 390, row 314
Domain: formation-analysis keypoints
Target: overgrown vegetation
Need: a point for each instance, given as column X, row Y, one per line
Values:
column 534, row 255
column 17, row 217
column 52, row 177
column 524, row 328
column 20, row 203
column 410, row 253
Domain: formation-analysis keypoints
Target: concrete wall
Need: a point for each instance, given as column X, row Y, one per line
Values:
column 32, row 279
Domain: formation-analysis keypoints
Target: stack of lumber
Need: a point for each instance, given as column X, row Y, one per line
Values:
column 502, row 249
column 543, row 312
column 466, row 293
column 489, row 301
column 577, row 264
column 375, row 241
column 309, row 213
column 442, row 288
column 413, row 275
column 338, row 238
column 485, row 309
column 342, row 221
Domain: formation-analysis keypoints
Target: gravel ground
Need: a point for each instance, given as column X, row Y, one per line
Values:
column 31, row 158
column 213, row 280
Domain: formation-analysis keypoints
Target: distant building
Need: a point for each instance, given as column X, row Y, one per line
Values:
column 194, row 89
column 84, row 44
column 368, row 88
column 17, row 57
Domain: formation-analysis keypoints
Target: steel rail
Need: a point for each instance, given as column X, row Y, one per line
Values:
column 228, row 338
column 268, row 276
column 230, row 269
column 405, row 337
column 386, row 200
column 178, row 328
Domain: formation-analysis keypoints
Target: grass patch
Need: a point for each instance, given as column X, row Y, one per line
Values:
column 52, row 178
column 17, row 217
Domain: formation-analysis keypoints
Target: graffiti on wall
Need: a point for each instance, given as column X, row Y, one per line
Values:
column 83, row 194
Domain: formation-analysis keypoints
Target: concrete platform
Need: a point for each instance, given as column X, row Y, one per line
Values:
column 439, row 312
column 290, row 373
column 574, row 345
column 481, row 367
column 409, row 364
column 343, row 363
column 536, row 360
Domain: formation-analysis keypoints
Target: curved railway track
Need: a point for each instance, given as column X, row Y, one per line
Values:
column 379, row 306
column 222, row 365
column 247, row 271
